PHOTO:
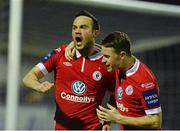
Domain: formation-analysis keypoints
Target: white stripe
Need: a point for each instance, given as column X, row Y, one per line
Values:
column 132, row 5
column 82, row 68
column 96, row 57
column 153, row 111
column 42, row 68
column 78, row 54
column 134, row 68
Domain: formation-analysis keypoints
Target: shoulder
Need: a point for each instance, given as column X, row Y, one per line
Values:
column 140, row 72
column 146, row 73
column 61, row 48
column 144, row 79
column 55, row 54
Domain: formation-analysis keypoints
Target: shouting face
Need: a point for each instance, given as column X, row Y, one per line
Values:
column 82, row 32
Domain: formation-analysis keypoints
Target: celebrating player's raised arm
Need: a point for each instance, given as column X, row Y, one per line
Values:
column 32, row 80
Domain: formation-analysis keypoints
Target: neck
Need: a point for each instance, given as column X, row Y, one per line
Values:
column 129, row 62
column 88, row 51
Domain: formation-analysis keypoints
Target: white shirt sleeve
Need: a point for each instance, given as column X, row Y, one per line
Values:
column 153, row 111
column 42, row 68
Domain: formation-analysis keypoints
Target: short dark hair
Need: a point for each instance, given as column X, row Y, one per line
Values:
column 119, row 41
column 96, row 25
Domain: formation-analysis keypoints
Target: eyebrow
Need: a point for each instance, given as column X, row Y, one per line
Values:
column 81, row 25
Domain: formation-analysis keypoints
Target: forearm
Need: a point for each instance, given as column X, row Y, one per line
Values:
column 32, row 78
column 145, row 122
column 31, row 81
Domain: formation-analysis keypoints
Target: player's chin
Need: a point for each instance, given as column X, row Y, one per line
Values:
column 79, row 47
column 109, row 68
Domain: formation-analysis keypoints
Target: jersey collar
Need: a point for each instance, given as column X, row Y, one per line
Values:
column 94, row 57
column 134, row 68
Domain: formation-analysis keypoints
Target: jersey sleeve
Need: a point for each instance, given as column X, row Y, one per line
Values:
column 150, row 98
column 49, row 61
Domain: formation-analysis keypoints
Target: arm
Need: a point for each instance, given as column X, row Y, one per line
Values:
column 144, row 122
column 70, row 51
column 32, row 80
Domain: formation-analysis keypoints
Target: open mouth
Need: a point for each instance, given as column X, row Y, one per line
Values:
column 79, row 41
column 108, row 66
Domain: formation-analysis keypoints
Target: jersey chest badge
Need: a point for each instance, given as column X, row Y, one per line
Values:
column 78, row 87
column 97, row 75
column 119, row 93
column 129, row 90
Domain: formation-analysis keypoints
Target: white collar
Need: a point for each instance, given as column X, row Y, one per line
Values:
column 78, row 54
column 134, row 68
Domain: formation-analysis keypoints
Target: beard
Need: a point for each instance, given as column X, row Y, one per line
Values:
column 86, row 48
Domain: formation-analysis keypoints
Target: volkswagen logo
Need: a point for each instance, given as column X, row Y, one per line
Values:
column 78, row 87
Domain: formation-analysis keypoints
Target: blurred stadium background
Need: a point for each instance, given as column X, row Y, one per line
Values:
column 47, row 23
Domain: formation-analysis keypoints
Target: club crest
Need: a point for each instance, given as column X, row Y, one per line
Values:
column 97, row 75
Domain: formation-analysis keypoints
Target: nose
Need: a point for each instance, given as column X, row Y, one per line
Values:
column 77, row 31
column 103, row 60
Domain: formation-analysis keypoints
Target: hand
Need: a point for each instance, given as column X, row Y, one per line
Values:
column 106, row 127
column 70, row 51
column 108, row 115
column 45, row 86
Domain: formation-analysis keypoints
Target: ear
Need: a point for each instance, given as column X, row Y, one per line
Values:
column 96, row 33
column 122, row 54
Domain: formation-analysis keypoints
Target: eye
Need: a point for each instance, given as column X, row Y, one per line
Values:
column 106, row 56
column 83, row 26
column 74, row 27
